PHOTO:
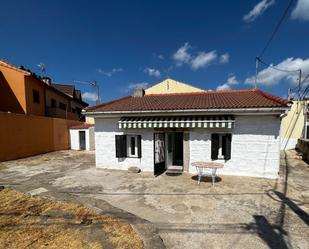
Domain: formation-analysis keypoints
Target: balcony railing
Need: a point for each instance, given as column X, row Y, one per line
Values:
column 59, row 113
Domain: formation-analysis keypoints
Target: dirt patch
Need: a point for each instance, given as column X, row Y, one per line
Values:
column 31, row 222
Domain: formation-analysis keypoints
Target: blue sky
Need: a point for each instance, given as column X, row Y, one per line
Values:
column 122, row 44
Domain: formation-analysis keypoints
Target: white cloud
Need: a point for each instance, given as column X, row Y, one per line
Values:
column 152, row 72
column 88, row 96
column 161, row 56
column 224, row 58
column 231, row 81
column 110, row 73
column 203, row 59
column 132, row 86
column 182, row 55
column 270, row 76
column 301, row 10
column 258, row 10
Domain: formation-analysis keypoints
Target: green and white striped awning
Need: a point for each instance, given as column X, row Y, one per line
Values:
column 177, row 122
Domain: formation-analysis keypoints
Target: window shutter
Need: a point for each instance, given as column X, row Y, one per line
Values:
column 227, row 146
column 214, row 146
column 121, row 146
column 139, row 146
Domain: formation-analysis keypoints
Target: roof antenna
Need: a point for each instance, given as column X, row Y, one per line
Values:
column 93, row 83
column 256, row 71
column 42, row 67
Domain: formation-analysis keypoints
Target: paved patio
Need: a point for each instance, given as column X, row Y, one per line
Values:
column 240, row 212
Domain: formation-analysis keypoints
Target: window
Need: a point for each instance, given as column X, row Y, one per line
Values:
column 62, row 106
column 36, row 96
column 128, row 146
column 53, row 103
column 221, row 146
column 132, row 146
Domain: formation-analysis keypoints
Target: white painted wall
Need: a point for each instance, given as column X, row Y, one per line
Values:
column 105, row 131
column 255, row 146
column 74, row 138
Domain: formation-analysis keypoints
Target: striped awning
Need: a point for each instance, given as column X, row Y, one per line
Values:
column 177, row 122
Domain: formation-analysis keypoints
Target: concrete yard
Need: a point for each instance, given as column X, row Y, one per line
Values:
column 239, row 212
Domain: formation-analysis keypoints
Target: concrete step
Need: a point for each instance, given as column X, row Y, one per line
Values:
column 174, row 169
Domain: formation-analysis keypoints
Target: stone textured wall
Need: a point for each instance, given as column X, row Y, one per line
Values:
column 255, row 146
column 105, row 131
column 303, row 147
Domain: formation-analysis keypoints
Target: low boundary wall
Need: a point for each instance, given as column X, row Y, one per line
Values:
column 27, row 135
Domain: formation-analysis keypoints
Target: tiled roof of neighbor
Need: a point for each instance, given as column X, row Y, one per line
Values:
column 186, row 101
column 67, row 89
column 82, row 126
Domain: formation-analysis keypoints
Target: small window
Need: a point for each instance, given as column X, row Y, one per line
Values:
column 221, row 146
column 62, row 106
column 36, row 96
column 53, row 103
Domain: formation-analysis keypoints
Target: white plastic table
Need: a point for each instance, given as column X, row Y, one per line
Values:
column 202, row 167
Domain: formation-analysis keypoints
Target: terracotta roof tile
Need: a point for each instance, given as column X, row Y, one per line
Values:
column 82, row 126
column 197, row 100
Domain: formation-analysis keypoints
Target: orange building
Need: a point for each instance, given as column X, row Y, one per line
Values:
column 23, row 92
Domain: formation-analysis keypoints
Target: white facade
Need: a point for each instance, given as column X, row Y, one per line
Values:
column 75, row 139
column 255, row 147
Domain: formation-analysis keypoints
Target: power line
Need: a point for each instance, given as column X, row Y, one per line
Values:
column 307, row 88
column 276, row 68
column 276, row 28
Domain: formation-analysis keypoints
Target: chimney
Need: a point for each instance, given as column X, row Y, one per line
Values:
column 139, row 92
column 47, row 80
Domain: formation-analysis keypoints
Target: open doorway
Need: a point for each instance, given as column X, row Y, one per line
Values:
column 174, row 151
column 82, row 140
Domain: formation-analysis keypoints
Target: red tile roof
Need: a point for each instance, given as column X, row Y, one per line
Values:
column 82, row 126
column 206, row 100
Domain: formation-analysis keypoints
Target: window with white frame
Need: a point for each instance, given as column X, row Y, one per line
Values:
column 132, row 146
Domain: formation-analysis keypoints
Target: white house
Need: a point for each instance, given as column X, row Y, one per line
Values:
column 82, row 137
column 239, row 128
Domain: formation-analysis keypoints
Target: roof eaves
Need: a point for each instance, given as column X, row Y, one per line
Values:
column 93, row 108
column 11, row 66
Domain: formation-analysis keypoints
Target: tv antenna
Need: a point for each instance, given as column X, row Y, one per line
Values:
column 42, row 67
column 93, row 83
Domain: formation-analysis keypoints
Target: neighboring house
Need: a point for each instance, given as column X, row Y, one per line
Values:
column 20, row 91
column 295, row 125
column 23, row 92
column 239, row 128
column 74, row 105
column 171, row 86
